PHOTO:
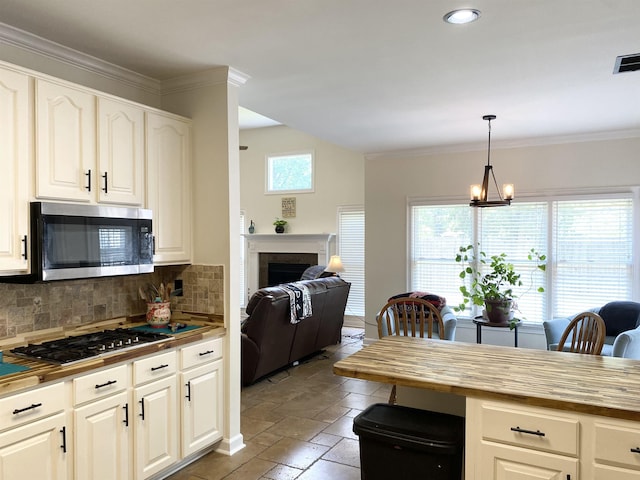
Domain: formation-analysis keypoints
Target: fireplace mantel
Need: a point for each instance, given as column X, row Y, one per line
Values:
column 283, row 243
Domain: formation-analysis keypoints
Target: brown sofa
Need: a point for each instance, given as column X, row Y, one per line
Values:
column 270, row 341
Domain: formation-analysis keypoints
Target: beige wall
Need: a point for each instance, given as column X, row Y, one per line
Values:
column 390, row 181
column 339, row 175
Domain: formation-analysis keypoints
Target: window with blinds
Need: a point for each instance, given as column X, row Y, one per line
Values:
column 436, row 234
column 515, row 231
column 351, row 250
column 592, row 249
column 588, row 244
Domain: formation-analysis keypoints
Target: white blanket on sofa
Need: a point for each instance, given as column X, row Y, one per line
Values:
column 300, row 301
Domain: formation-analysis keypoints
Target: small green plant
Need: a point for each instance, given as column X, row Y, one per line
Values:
column 499, row 280
column 279, row 222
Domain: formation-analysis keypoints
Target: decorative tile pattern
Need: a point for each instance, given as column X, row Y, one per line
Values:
column 31, row 307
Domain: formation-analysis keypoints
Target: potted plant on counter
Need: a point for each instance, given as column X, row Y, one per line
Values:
column 494, row 288
column 280, row 224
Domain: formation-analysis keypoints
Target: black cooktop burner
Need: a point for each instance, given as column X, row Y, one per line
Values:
column 65, row 351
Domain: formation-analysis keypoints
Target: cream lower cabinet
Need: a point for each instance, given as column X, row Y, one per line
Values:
column 507, row 442
column 35, row 438
column 511, row 441
column 616, row 450
column 156, row 414
column 14, row 165
column 169, row 186
column 201, row 395
column 102, row 425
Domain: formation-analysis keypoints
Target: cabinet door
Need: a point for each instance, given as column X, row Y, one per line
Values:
column 501, row 462
column 35, row 450
column 168, row 187
column 120, row 153
column 201, row 407
column 14, row 165
column 102, row 439
column 65, row 143
column 156, row 427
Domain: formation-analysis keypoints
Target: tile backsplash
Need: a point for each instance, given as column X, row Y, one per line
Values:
column 26, row 308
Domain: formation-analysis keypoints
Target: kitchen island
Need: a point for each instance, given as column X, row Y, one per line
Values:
column 529, row 413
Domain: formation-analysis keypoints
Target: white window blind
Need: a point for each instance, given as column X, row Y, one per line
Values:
column 593, row 253
column 588, row 243
column 515, row 231
column 351, row 251
column 437, row 233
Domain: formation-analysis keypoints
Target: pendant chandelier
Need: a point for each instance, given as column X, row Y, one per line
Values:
column 480, row 193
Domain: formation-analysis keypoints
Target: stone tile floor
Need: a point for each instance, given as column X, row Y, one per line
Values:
column 297, row 424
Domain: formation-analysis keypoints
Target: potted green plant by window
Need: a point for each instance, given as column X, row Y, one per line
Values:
column 494, row 288
column 280, row 225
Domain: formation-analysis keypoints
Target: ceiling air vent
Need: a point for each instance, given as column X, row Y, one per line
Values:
column 627, row 63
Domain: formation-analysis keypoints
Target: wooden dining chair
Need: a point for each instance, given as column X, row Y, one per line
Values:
column 409, row 317
column 586, row 333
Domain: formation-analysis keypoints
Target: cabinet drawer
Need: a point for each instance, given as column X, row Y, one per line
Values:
column 32, row 405
column 530, row 428
column 201, row 352
column 99, row 384
column 614, row 445
column 157, row 366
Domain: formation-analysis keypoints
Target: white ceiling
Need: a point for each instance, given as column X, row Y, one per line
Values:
column 378, row 75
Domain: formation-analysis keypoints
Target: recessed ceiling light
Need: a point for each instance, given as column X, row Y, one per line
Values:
column 465, row 15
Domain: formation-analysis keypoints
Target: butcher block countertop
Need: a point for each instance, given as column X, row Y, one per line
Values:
column 41, row 372
column 590, row 384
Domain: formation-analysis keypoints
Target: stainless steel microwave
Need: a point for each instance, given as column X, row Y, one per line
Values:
column 83, row 241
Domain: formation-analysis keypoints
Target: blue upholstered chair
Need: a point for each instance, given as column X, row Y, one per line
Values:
column 627, row 344
column 619, row 317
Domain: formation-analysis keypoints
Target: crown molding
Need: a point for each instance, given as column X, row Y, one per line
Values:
column 222, row 75
column 505, row 144
column 27, row 41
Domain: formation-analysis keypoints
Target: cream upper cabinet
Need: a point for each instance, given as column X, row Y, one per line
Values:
column 65, row 142
column 120, row 153
column 14, row 164
column 88, row 149
column 168, row 186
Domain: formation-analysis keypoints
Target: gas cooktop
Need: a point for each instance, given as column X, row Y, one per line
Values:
column 68, row 350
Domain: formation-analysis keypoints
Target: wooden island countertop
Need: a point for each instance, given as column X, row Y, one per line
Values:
column 590, row 384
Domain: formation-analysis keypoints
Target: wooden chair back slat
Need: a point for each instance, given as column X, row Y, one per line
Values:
column 586, row 333
column 409, row 317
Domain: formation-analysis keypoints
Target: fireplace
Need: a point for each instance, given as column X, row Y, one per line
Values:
column 277, row 268
column 320, row 245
